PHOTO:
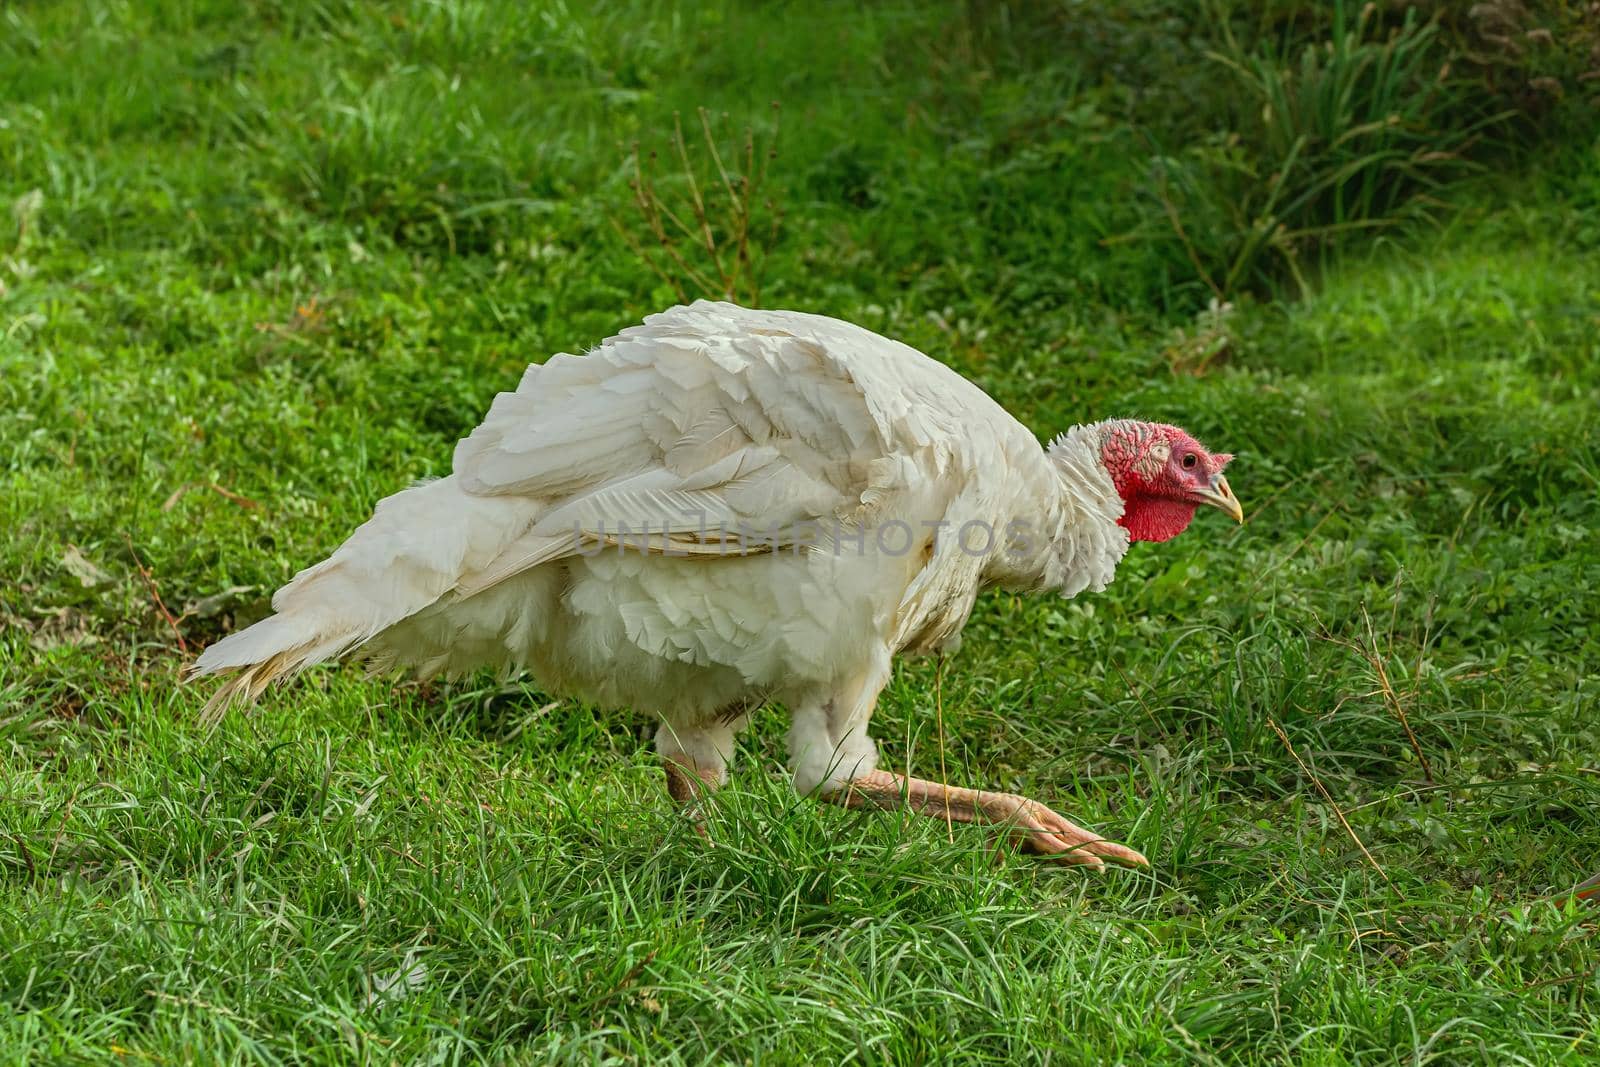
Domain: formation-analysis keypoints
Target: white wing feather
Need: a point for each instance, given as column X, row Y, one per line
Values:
column 714, row 418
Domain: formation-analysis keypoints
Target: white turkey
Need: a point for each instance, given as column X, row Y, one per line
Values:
column 723, row 507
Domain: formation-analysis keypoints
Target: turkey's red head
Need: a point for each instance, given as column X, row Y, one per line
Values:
column 1163, row 475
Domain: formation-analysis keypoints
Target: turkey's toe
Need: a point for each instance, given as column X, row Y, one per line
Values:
column 1050, row 834
column 1051, row 845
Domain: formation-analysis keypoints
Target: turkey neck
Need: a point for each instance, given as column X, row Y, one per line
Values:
column 1074, row 542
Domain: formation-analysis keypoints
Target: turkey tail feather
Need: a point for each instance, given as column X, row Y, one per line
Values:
column 248, row 685
column 419, row 546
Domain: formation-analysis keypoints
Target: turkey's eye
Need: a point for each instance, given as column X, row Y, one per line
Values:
column 1189, row 461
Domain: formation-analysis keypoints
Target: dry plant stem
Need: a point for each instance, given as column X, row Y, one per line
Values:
column 740, row 212
column 695, row 198
column 1031, row 823
column 66, row 816
column 1329, row 798
column 1391, row 697
column 716, row 156
column 642, row 197
column 155, row 594
column 938, row 717
column 774, row 212
column 227, row 494
column 746, row 192
column 1183, row 235
column 1380, row 671
column 651, row 204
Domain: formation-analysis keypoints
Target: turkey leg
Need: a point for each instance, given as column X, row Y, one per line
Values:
column 688, row 786
column 695, row 757
column 1034, row 825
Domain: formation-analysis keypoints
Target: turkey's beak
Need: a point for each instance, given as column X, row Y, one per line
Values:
column 1219, row 495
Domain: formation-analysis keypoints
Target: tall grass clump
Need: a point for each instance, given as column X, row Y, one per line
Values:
column 1322, row 139
column 1538, row 60
column 1278, row 131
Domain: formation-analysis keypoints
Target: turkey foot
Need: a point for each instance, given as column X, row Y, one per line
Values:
column 688, row 788
column 1035, row 826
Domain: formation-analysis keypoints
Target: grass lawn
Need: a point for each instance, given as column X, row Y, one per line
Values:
column 265, row 263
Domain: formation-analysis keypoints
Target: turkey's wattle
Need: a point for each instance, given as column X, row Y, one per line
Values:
column 691, row 520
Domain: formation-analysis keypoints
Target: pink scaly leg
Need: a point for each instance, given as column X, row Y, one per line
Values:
column 688, row 787
column 1031, row 823
column 695, row 758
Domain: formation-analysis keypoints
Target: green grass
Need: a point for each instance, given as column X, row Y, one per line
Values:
column 293, row 253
